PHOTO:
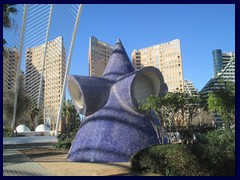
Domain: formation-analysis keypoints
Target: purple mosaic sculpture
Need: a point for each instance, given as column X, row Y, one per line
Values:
column 113, row 130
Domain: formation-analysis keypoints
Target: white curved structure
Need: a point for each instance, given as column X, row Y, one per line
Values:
column 42, row 128
column 22, row 128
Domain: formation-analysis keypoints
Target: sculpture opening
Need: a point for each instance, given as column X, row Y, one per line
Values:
column 76, row 94
column 145, row 85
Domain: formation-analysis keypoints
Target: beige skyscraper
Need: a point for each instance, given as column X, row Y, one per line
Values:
column 10, row 61
column 98, row 56
column 167, row 58
column 54, row 70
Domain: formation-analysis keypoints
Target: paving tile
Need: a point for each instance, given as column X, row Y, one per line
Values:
column 17, row 164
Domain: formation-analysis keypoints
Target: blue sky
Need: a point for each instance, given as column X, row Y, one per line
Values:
column 200, row 28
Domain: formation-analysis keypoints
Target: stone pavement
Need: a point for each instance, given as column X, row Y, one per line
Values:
column 15, row 163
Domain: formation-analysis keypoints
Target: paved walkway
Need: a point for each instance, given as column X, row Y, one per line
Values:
column 17, row 164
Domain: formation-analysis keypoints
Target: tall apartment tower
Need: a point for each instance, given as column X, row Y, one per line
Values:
column 226, row 58
column 99, row 54
column 10, row 61
column 217, row 61
column 220, row 60
column 167, row 58
column 227, row 73
column 54, row 71
column 34, row 59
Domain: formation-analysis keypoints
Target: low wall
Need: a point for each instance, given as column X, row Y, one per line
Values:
column 34, row 133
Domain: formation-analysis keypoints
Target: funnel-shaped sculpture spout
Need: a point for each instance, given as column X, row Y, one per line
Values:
column 88, row 93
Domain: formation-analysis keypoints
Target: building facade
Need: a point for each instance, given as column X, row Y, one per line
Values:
column 226, row 74
column 226, row 58
column 217, row 61
column 189, row 88
column 98, row 56
column 54, row 71
column 10, row 62
column 220, row 60
column 167, row 58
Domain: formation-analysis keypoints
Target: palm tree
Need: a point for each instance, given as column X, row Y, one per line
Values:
column 65, row 115
column 8, row 102
column 8, row 9
column 33, row 116
column 8, row 22
column 70, row 117
column 40, row 119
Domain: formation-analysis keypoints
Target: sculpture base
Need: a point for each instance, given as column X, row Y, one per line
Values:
column 112, row 136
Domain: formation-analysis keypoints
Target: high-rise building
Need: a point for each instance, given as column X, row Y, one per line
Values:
column 10, row 61
column 189, row 88
column 220, row 60
column 226, row 58
column 167, row 58
column 99, row 54
column 34, row 59
column 54, row 71
column 226, row 74
column 217, row 61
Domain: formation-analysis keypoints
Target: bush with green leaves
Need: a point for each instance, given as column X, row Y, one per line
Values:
column 212, row 154
column 168, row 160
column 65, row 139
column 216, row 150
column 63, row 144
column 222, row 102
column 6, row 132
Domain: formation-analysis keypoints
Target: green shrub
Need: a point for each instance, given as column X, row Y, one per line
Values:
column 6, row 132
column 65, row 140
column 63, row 144
column 216, row 150
column 212, row 154
column 168, row 160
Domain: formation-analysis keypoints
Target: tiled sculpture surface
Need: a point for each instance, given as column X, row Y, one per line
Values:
column 113, row 130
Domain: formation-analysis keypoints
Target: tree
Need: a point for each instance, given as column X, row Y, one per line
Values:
column 8, row 103
column 34, row 115
column 150, row 107
column 190, row 107
column 172, row 110
column 165, row 108
column 8, row 9
column 169, row 108
column 193, row 109
column 8, row 21
column 40, row 119
column 222, row 102
column 70, row 117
